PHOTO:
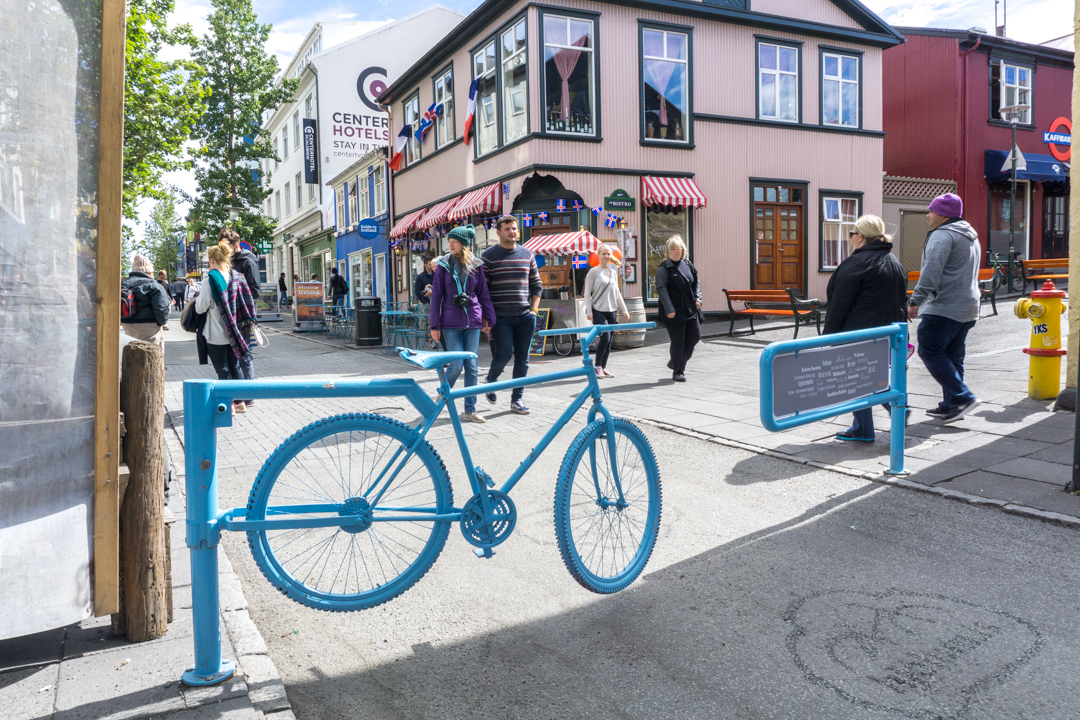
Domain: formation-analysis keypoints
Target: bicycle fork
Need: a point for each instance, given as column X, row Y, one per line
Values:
column 609, row 423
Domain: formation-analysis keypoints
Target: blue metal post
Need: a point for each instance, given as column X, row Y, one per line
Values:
column 899, row 406
column 200, row 452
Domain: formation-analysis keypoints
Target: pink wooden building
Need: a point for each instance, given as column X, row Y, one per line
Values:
column 754, row 134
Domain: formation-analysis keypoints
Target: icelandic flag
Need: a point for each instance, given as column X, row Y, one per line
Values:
column 579, row 262
column 428, row 120
column 560, row 206
column 577, row 205
column 527, row 220
column 597, row 210
column 471, row 115
column 399, row 147
column 611, row 220
column 543, row 216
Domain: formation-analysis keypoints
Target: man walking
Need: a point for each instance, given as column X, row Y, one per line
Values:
column 422, row 284
column 179, row 287
column 283, row 291
column 514, row 285
column 946, row 299
column 339, row 289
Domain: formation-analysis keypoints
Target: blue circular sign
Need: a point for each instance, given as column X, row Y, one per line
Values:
column 368, row 229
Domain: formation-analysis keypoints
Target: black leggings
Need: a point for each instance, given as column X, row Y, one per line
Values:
column 603, row 348
column 226, row 364
column 684, row 336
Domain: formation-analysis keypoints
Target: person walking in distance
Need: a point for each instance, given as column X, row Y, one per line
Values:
column 602, row 300
column 178, row 288
column 151, row 303
column 339, row 289
column 461, row 309
column 513, row 281
column 245, row 263
column 283, row 291
column 868, row 290
column 191, row 290
column 422, row 283
column 679, row 290
column 946, row 299
column 226, row 299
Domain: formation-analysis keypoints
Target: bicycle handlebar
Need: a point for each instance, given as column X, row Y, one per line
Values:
column 592, row 331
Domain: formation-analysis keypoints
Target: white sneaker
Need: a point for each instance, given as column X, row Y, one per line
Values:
column 607, row 374
column 599, row 371
column 472, row 417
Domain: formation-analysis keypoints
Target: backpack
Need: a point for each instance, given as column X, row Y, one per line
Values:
column 128, row 308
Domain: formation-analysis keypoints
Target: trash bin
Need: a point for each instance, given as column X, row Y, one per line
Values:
column 368, row 321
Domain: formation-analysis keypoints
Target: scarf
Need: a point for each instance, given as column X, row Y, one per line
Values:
column 222, row 298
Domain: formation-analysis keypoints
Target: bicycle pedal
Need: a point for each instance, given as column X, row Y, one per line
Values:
column 482, row 553
column 484, row 477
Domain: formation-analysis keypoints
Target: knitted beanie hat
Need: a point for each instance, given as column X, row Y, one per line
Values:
column 141, row 264
column 464, row 234
column 948, row 206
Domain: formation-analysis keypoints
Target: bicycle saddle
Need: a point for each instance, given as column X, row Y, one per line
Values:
column 430, row 360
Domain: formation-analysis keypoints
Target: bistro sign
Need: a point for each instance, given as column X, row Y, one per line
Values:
column 620, row 200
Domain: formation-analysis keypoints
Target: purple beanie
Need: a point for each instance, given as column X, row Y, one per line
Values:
column 948, row 206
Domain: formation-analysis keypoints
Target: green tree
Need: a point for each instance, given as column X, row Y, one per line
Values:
column 240, row 75
column 162, row 101
column 162, row 235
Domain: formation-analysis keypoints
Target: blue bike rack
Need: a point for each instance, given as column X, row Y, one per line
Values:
column 895, row 396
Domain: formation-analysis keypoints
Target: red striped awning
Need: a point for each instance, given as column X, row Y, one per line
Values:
column 575, row 243
column 485, row 201
column 680, row 192
column 438, row 214
column 407, row 223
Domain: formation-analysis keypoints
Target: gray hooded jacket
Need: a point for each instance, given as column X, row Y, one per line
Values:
column 949, row 281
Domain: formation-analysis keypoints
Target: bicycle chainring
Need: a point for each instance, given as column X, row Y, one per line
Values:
column 479, row 532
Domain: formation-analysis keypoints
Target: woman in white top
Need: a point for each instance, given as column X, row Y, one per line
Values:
column 229, row 306
column 602, row 300
column 190, row 291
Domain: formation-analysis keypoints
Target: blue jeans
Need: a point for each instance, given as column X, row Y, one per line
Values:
column 863, row 424
column 468, row 340
column 511, row 335
column 942, row 343
column 283, row 297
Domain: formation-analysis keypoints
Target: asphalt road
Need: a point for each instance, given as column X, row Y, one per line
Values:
column 776, row 591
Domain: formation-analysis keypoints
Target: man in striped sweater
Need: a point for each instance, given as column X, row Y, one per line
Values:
column 513, row 281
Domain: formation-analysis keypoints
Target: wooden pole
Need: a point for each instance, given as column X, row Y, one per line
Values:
column 142, row 517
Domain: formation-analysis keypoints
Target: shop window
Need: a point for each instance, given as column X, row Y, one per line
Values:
column 340, row 217
column 364, row 196
column 838, row 216
column 361, row 277
column 1001, row 212
column 839, row 90
column 412, row 119
column 569, row 74
column 778, row 82
column 1010, row 85
column 665, row 65
column 487, row 111
column 444, row 94
column 514, row 80
column 380, row 189
column 660, row 226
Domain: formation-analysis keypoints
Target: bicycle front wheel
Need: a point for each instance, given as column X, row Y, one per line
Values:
column 338, row 467
column 606, row 541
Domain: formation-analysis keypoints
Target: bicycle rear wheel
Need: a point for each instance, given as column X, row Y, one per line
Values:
column 334, row 467
column 605, row 544
column 563, row 344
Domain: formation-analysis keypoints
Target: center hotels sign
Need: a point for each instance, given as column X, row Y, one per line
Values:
column 352, row 124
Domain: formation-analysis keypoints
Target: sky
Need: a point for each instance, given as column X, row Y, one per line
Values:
column 1033, row 21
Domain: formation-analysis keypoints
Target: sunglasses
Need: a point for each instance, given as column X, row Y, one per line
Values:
column 852, row 234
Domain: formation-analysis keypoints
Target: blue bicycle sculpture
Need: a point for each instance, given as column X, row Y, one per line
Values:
column 352, row 510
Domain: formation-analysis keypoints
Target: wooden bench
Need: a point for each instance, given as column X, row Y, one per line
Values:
column 987, row 288
column 775, row 303
column 1035, row 266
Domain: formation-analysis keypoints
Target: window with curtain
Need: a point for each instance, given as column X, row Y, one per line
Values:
column 364, row 200
column 380, row 189
column 838, row 217
column 299, row 193
column 665, row 75
column 778, row 82
column 412, row 119
column 514, row 81
column 839, row 90
column 487, row 110
column 569, row 75
column 444, row 93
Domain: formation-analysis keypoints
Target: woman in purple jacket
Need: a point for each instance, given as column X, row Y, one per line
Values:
column 461, row 309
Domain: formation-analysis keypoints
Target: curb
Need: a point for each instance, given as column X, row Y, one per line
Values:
column 879, row 477
column 265, row 688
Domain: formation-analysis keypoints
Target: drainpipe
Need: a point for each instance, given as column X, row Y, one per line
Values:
column 962, row 186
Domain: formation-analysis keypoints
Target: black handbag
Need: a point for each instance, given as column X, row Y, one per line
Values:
column 190, row 320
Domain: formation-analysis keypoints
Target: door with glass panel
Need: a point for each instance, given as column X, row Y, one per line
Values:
column 779, row 244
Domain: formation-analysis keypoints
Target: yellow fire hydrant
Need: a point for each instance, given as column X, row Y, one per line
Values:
column 1044, row 309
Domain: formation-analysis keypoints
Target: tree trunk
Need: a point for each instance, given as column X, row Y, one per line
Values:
column 143, row 551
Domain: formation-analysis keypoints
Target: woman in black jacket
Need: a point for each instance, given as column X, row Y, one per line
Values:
column 868, row 290
column 679, row 291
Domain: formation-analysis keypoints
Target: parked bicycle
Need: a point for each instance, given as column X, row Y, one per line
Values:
column 1000, row 265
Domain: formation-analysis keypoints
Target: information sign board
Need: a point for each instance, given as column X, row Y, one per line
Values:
column 309, row 302
column 822, row 377
column 543, row 316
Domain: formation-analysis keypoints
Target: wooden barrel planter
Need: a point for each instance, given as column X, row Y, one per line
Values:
column 625, row 339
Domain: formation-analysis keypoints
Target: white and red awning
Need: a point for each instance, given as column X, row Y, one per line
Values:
column 485, row 201
column 581, row 242
column 678, row 192
column 438, row 214
column 407, row 223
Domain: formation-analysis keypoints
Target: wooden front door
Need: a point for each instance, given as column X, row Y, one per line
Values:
column 1055, row 226
column 779, row 238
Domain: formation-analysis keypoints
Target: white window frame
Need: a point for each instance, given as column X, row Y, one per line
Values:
column 515, row 96
column 299, row 193
column 412, row 116
column 380, row 190
column 354, row 210
column 277, row 154
column 277, row 203
column 444, row 93
column 296, row 129
column 1020, row 90
column 593, row 78
column 778, row 73
column 844, row 224
column 285, row 142
column 288, row 200
column 487, row 108
column 363, row 197
column 840, row 83
column 307, row 107
column 339, row 216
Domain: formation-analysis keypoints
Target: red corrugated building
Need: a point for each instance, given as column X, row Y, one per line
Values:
column 942, row 93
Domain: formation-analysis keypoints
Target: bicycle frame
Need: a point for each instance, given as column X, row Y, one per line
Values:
column 207, row 406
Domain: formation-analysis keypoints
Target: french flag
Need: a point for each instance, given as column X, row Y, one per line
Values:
column 471, row 116
column 399, row 146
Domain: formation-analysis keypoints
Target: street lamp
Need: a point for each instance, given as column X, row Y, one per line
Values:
column 1013, row 113
column 234, row 214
